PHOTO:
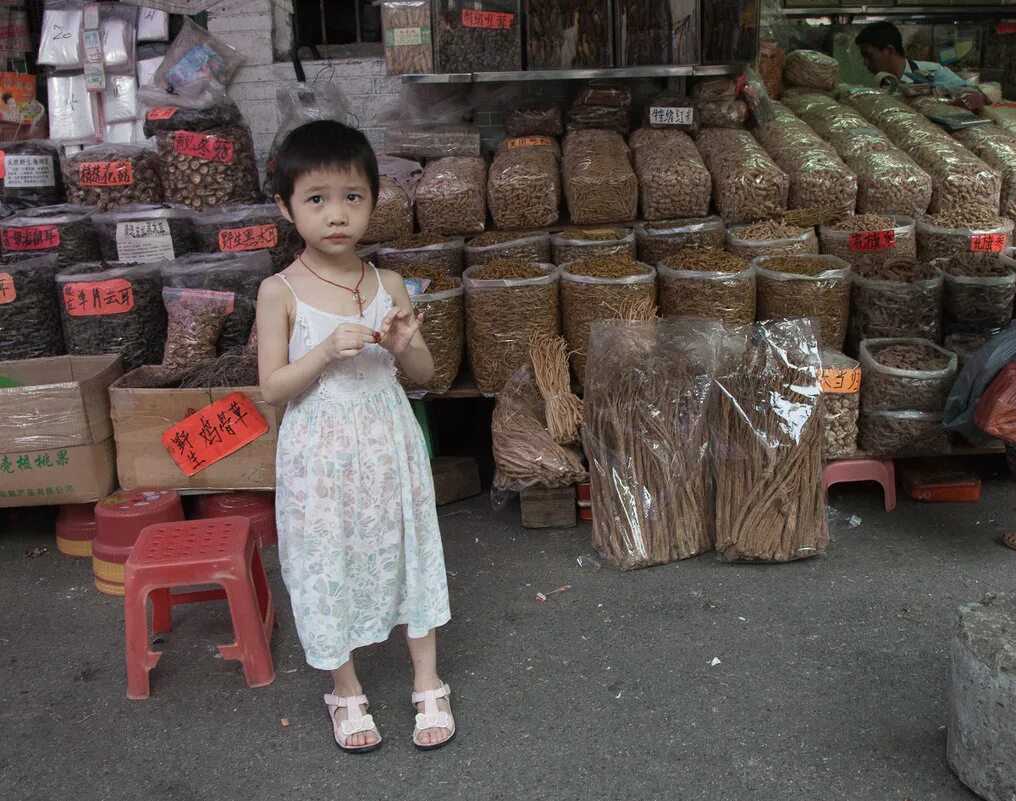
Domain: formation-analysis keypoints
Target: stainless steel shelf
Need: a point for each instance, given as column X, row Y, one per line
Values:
column 576, row 75
column 901, row 11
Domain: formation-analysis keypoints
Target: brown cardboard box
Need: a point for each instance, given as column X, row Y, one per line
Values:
column 140, row 416
column 45, row 477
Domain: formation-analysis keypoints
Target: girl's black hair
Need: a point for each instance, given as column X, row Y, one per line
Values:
column 323, row 145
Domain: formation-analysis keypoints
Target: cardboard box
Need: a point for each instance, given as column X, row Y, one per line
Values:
column 55, row 476
column 141, row 415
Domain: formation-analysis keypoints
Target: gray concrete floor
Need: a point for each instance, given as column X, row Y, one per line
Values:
column 831, row 682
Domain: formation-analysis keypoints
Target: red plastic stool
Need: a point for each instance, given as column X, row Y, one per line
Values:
column 883, row 471
column 119, row 519
column 258, row 507
column 75, row 529
column 185, row 554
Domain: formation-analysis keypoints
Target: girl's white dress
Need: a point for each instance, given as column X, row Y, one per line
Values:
column 358, row 532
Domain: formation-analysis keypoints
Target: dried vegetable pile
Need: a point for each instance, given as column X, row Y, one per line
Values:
column 673, row 180
column 841, row 404
column 979, row 293
column 900, row 374
column 868, row 241
column 525, row 245
column 806, row 287
column 592, row 243
column 770, row 238
column 976, row 229
column 443, row 327
column 599, row 183
column 896, row 299
column 708, row 283
column 415, row 251
column 656, row 241
column 747, row 184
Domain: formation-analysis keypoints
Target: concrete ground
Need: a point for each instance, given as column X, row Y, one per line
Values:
column 830, row 682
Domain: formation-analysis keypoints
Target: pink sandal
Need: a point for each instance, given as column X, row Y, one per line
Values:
column 355, row 723
column 432, row 717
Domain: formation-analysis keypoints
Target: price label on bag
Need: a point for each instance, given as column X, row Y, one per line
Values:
column 988, row 243
column 529, row 141
column 214, row 432
column 670, row 115
column 871, row 241
column 27, row 172
column 32, row 237
column 144, row 242
column 207, row 148
column 106, row 173
column 472, row 18
column 98, row 298
column 841, row 382
column 407, row 37
column 8, row 292
column 161, row 112
column 252, row 237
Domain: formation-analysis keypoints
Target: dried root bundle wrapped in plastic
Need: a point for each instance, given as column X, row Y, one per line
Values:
column 534, row 118
column 29, row 309
column 979, row 293
column 452, row 196
column 443, row 253
column 975, row 229
column 525, row 453
column 110, row 176
column 767, row 427
column 673, row 180
column 906, row 433
column 808, row 287
column 593, row 243
column 656, row 241
column 996, row 147
column 432, row 140
column 811, row 69
column 568, row 34
column 868, row 241
column 599, row 183
column 896, row 299
column 646, row 435
column 531, row 246
column 604, row 106
column 596, row 289
column 145, row 233
column 65, row 230
column 707, row 283
column 841, row 404
column 906, row 374
column 770, row 238
column 507, row 303
column 407, row 36
column 747, row 184
column 393, row 214
column 524, row 185
column 730, row 113
column 818, row 177
column 443, row 330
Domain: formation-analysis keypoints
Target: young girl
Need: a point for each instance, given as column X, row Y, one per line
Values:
column 358, row 531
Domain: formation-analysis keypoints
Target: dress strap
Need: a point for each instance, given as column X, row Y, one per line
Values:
column 282, row 278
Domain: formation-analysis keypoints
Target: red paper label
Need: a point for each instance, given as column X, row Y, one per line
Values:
column 161, row 112
column 841, row 382
column 3, row 171
column 214, row 432
column 869, row 241
column 199, row 146
column 98, row 298
column 1005, row 27
column 988, row 243
column 253, row 237
column 8, row 292
column 34, row 237
column 486, row 19
column 106, row 173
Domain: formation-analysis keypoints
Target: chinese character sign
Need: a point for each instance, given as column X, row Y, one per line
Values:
column 870, row 241
column 671, row 115
column 988, row 243
column 472, row 18
column 213, row 433
column 98, row 298
column 841, row 382
column 35, row 237
column 252, row 237
column 106, row 173
column 207, row 148
column 8, row 292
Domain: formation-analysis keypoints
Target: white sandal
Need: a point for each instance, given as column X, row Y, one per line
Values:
column 432, row 717
column 355, row 723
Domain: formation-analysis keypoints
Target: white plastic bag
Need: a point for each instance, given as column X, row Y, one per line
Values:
column 60, row 43
column 120, row 98
column 71, row 113
column 153, row 25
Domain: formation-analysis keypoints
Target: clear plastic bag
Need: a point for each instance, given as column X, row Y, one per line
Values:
column 110, row 176
column 840, row 408
column 237, row 274
column 747, row 184
column 72, row 109
column 524, row 187
column 534, row 118
column 568, row 34
column 646, row 435
column 905, row 433
column 601, row 242
column 501, row 318
column 767, row 437
column 444, row 333
column 150, row 58
column 893, row 308
column 144, row 234
column 196, row 60
column 432, row 140
column 531, row 246
column 722, row 113
column 658, row 240
column 811, row 69
column 195, row 319
column 599, row 183
column 673, row 179
column 401, row 256
column 60, row 43
column 869, row 249
column 996, row 148
column 601, row 106
column 241, row 229
column 740, row 243
column 979, row 294
column 727, row 296
column 452, row 196
column 120, row 98
column 481, row 36
column 923, row 388
column 65, row 230
column 118, row 25
column 29, row 313
column 408, row 36
column 153, row 25
column 672, row 111
column 943, row 241
column 393, row 214
column 31, row 175
column 965, row 346
column 808, row 287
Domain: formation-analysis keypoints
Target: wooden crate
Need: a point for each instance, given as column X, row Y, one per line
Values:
column 455, row 478
column 548, row 508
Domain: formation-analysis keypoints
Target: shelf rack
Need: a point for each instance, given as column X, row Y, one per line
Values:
column 959, row 12
column 702, row 70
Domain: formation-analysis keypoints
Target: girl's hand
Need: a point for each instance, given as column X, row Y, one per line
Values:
column 398, row 329
column 347, row 341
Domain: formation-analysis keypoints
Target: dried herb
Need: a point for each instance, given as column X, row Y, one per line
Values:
column 241, row 229
column 29, row 311
column 65, row 230
column 143, row 234
column 111, row 176
column 31, row 176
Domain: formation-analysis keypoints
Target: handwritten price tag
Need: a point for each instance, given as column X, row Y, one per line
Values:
column 529, row 141
column 670, row 115
column 988, row 243
column 1005, row 27
column 487, row 19
column 106, row 173
column 870, row 241
column 213, row 433
column 35, row 237
column 841, row 382
column 8, row 292
column 161, row 112
column 253, row 237
column 207, row 148
column 98, row 298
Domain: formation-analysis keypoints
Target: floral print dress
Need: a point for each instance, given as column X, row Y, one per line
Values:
column 358, row 533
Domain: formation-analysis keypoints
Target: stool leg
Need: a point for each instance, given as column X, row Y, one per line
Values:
column 162, row 611
column 140, row 660
column 889, row 483
column 251, row 646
